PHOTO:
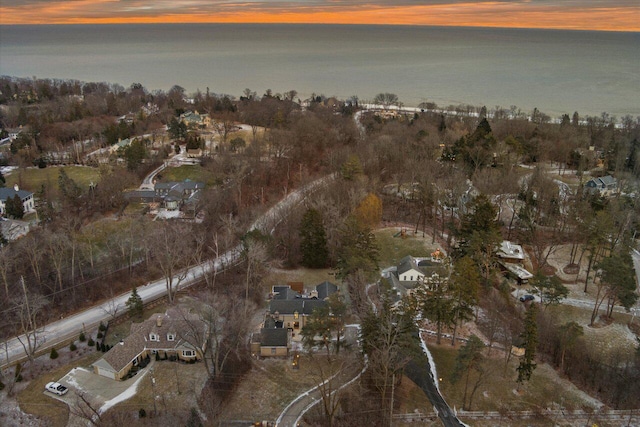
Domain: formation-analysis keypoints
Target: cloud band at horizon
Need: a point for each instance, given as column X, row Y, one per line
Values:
column 604, row 15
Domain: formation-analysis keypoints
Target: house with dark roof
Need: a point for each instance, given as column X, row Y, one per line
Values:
column 28, row 204
column 326, row 289
column 274, row 342
column 170, row 335
column 604, row 185
column 176, row 194
column 289, row 309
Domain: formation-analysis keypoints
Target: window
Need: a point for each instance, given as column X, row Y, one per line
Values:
column 273, row 350
column 154, row 351
column 188, row 353
column 154, row 337
column 171, row 337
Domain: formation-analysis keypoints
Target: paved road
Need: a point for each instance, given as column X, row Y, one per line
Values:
column 59, row 331
column 419, row 371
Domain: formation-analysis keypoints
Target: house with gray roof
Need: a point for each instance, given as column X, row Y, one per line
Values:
column 28, row 203
column 274, row 342
column 170, row 335
column 176, row 194
column 604, row 185
column 413, row 271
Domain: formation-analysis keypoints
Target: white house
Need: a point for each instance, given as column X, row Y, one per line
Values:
column 408, row 270
column 28, row 203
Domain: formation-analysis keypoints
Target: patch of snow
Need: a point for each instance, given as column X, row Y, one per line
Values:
column 71, row 379
column 6, row 170
column 432, row 364
column 127, row 394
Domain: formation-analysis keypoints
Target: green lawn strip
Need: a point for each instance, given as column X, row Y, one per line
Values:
column 191, row 172
column 393, row 249
column 32, row 179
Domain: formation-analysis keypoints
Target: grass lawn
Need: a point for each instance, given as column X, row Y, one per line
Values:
column 177, row 387
column 500, row 390
column 309, row 276
column 192, row 172
column 34, row 401
column 393, row 249
column 269, row 387
column 31, row 179
column 121, row 330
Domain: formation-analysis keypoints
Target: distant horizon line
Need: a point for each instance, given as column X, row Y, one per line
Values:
column 337, row 24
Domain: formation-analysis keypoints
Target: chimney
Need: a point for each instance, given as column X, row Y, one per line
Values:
column 159, row 321
column 15, row 187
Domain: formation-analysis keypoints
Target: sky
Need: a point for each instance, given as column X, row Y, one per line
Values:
column 607, row 15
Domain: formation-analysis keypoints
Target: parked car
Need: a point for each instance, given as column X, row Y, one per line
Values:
column 526, row 298
column 56, row 388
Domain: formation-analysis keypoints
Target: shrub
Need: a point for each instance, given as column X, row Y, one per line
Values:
column 103, row 348
column 1, row 386
column 72, row 346
column 157, row 356
column 98, row 346
column 142, row 413
column 53, row 354
column 82, row 338
column 102, row 327
column 90, row 343
column 99, row 335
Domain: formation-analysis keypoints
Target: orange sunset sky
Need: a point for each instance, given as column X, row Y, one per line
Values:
column 611, row 15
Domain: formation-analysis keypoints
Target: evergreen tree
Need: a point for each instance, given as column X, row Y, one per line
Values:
column 134, row 153
column 313, row 240
column 530, row 342
column 464, row 287
column 358, row 250
column 3, row 240
column 325, row 323
column 3, row 181
column 433, row 301
column 14, row 208
column 479, row 235
column 550, row 289
column 351, row 168
column 469, row 359
column 134, row 304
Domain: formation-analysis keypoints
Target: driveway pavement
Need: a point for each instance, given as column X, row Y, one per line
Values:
column 101, row 392
column 95, row 388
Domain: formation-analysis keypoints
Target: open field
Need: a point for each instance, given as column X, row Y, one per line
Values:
column 33, row 400
column 500, row 391
column 32, row 179
column 192, row 172
column 270, row 386
column 176, row 387
column 392, row 249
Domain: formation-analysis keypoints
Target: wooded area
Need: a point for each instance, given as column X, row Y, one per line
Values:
column 469, row 178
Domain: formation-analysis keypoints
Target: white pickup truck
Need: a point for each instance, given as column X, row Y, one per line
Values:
column 56, row 388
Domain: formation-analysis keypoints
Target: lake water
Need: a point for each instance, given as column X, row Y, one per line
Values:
column 556, row 71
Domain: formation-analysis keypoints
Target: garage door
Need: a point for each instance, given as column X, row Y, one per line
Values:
column 106, row 373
